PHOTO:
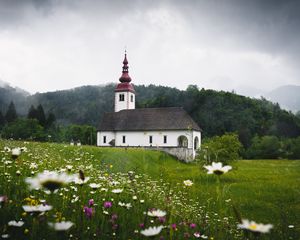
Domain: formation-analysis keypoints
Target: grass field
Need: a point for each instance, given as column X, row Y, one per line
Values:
column 265, row 191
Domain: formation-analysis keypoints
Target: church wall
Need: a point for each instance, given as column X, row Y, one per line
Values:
column 109, row 136
column 142, row 139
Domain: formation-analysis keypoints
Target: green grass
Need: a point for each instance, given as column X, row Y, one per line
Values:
column 265, row 191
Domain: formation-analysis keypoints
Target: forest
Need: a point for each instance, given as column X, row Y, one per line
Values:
column 74, row 115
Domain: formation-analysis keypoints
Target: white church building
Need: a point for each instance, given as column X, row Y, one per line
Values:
column 168, row 129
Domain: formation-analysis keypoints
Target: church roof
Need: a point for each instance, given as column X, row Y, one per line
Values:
column 146, row 119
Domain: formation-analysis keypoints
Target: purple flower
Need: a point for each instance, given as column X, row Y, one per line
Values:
column 88, row 212
column 174, row 226
column 107, row 204
column 91, row 202
column 162, row 219
column 142, row 225
column 192, row 225
column 114, row 217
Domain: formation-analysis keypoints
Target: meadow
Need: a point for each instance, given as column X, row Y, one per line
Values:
column 121, row 192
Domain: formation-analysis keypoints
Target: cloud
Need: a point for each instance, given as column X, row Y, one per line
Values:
column 49, row 45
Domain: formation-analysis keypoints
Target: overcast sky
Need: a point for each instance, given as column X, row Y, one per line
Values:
column 47, row 45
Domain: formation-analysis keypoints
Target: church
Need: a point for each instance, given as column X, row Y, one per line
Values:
column 168, row 129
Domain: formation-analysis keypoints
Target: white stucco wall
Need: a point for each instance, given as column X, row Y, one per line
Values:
column 126, row 104
column 141, row 139
column 109, row 136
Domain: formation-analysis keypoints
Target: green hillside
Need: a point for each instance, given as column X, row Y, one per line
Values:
column 264, row 191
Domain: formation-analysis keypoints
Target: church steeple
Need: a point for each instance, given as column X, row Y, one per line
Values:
column 124, row 91
column 125, row 76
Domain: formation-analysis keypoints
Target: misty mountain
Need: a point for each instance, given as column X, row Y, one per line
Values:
column 288, row 97
column 8, row 94
column 216, row 112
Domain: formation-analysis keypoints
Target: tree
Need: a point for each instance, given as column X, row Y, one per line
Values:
column 11, row 114
column 2, row 120
column 41, row 115
column 32, row 113
column 24, row 129
column 223, row 148
column 50, row 120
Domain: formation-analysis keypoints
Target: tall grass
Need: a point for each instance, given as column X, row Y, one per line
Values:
column 264, row 191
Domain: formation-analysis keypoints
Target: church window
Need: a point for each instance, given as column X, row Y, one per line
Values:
column 104, row 139
column 165, row 138
column 124, row 139
column 131, row 98
column 121, row 97
column 150, row 139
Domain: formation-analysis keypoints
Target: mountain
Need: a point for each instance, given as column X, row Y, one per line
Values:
column 216, row 112
column 8, row 94
column 287, row 96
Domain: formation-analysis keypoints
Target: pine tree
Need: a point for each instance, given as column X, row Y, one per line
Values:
column 2, row 120
column 50, row 120
column 11, row 114
column 41, row 115
column 32, row 113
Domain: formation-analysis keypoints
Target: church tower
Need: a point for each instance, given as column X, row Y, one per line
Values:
column 124, row 91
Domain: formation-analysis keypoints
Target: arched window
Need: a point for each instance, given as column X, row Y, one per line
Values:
column 182, row 141
column 196, row 143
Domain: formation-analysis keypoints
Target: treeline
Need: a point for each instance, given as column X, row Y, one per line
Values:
column 38, row 126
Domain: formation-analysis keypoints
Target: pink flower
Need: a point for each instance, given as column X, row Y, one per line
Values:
column 88, row 212
column 114, row 217
column 107, row 204
column 162, row 219
column 91, row 202
column 142, row 225
column 192, row 225
column 174, row 226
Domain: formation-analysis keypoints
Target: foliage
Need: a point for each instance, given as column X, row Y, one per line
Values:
column 271, row 147
column 11, row 114
column 225, row 149
column 27, row 129
column 2, row 120
column 149, row 179
column 80, row 133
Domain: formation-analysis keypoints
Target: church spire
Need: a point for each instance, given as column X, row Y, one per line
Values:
column 125, row 76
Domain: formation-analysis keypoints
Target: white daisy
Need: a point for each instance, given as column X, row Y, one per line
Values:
column 255, row 227
column 15, row 152
column 117, row 190
column 61, row 226
column 94, row 185
column 37, row 208
column 156, row 213
column 49, row 180
column 15, row 223
column 188, row 183
column 151, row 231
column 216, row 168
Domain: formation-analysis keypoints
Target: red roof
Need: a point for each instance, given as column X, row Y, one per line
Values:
column 125, row 79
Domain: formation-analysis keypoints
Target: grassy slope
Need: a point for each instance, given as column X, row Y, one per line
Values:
column 263, row 190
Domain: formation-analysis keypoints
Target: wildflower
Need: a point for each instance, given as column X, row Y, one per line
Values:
column 255, row 227
column 216, row 168
column 94, row 185
column 156, row 213
column 3, row 199
column 291, row 226
column 18, row 172
column 15, row 223
column 174, row 226
column 88, row 212
column 188, row 183
column 81, row 179
column 107, row 204
column 4, row 236
column 38, row 208
column 151, row 231
column 15, row 153
column 192, row 225
column 198, row 235
column 162, row 219
column 49, row 180
column 114, row 217
column 117, row 190
column 91, row 202
column 61, row 226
